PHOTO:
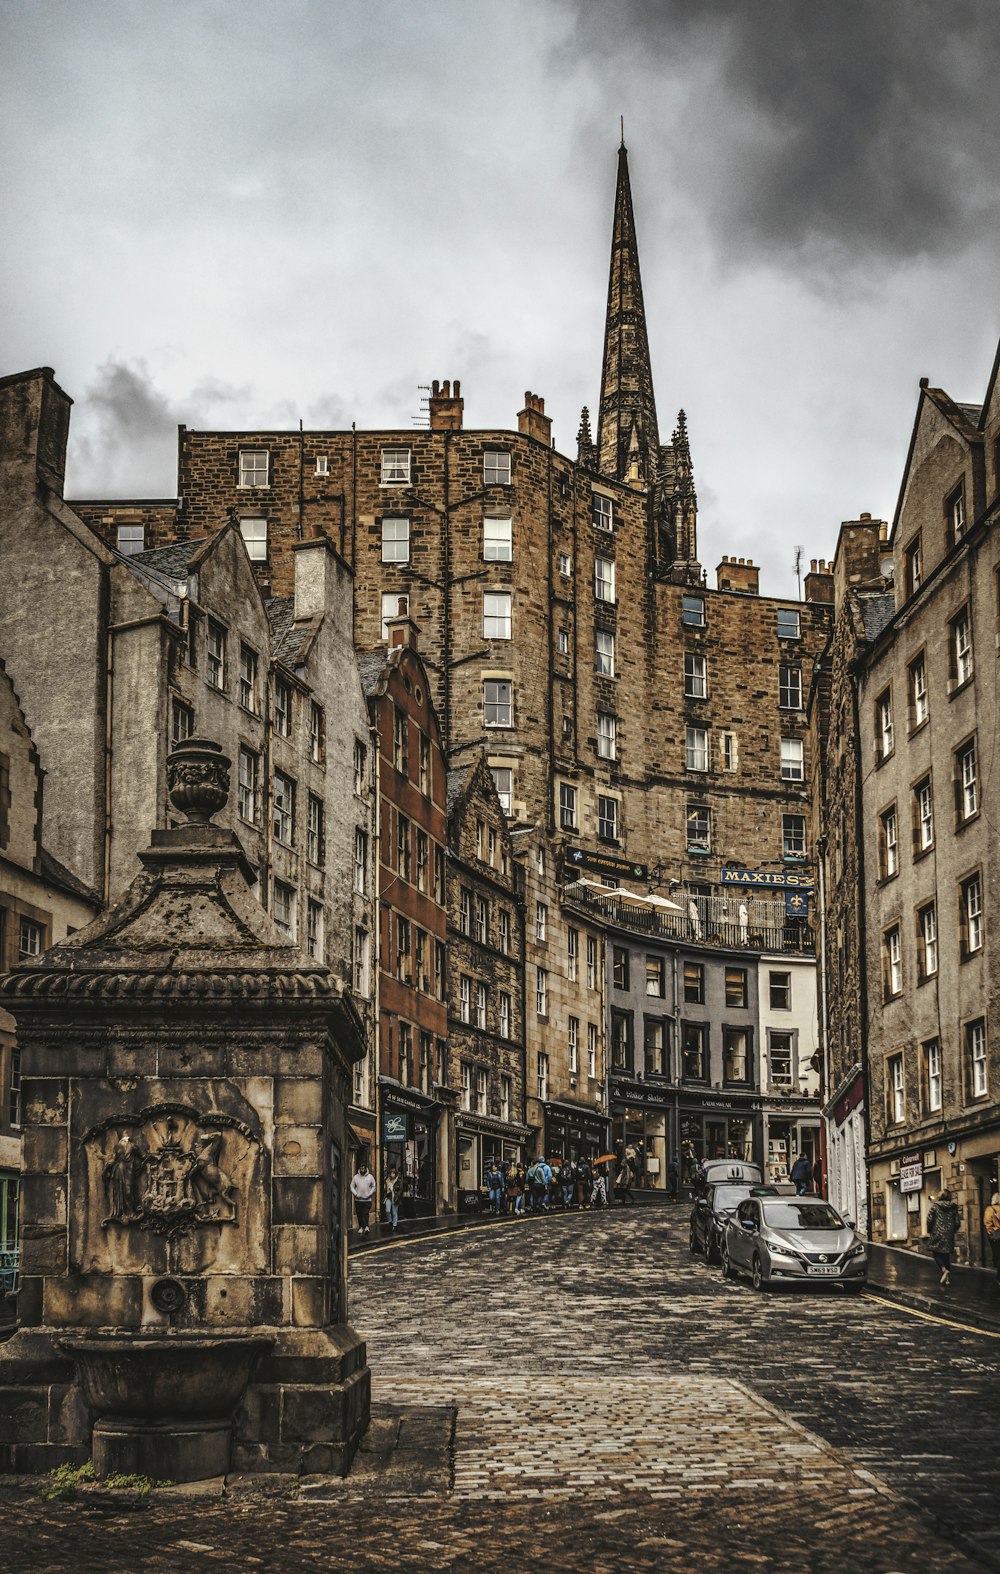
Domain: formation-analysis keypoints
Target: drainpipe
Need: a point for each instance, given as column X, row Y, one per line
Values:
column 302, row 484
column 109, row 679
column 824, row 1041
column 862, row 941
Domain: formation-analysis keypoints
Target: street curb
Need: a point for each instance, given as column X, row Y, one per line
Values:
column 953, row 1311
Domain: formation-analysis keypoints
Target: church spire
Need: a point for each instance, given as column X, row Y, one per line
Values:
column 628, row 410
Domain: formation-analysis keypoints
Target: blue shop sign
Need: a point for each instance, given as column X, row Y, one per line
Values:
column 773, row 879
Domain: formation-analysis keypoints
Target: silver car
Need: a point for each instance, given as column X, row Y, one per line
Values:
column 793, row 1240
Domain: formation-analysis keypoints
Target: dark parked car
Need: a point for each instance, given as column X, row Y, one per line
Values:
column 799, row 1240
column 713, row 1208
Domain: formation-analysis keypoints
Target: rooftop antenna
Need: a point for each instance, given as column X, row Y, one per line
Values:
column 424, row 418
column 798, row 569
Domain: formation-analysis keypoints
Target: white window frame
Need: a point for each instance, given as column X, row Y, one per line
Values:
column 498, row 538
column 604, row 579
column 541, row 920
column 503, row 781
column 602, row 511
column 503, row 1013
column 789, row 686
column 283, row 907
column 918, row 690
column 543, row 1075
column 793, row 841
column 976, row 1037
column 968, row 764
column 607, row 735
column 608, row 817
column 253, row 529
column 927, row 918
column 283, row 803
column 395, row 538
column 604, row 653
column 131, row 539
column 793, row 768
column 924, row 795
column 254, row 462
column 696, row 748
column 541, row 991
column 592, row 1049
column 497, row 614
column 788, row 623
column 567, row 807
column 394, row 467
column 496, row 467
column 934, row 1079
column 573, row 1043
column 695, row 675
column 897, row 1090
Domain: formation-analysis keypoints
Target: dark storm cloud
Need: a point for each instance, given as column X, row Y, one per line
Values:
column 864, row 127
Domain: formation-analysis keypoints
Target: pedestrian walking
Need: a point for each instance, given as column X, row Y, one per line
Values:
column 584, row 1181
column 515, row 1190
column 568, row 1182
column 495, row 1186
column 598, row 1190
column 800, row 1174
column 363, row 1190
column 623, row 1181
column 818, row 1176
column 543, row 1180
column 674, row 1176
column 991, row 1224
column 393, row 1191
column 943, row 1224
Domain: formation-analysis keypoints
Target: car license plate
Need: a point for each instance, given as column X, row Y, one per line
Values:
column 829, row 1270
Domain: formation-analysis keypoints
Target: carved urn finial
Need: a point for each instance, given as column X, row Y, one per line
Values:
column 198, row 779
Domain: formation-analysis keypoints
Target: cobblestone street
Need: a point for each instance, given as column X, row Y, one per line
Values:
column 578, row 1393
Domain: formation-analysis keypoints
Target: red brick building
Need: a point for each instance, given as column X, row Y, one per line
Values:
column 411, row 864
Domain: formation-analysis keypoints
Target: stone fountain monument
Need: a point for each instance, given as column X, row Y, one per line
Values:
column 182, row 1305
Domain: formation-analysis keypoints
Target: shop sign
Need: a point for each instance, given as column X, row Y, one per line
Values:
column 606, row 863
column 796, row 904
column 775, row 879
column 393, row 1127
column 911, row 1172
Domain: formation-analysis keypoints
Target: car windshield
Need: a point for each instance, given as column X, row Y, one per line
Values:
column 802, row 1216
column 727, row 1197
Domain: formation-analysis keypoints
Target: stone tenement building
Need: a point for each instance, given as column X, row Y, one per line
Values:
column 914, row 715
column 625, row 706
column 40, row 904
column 156, row 646
column 485, row 980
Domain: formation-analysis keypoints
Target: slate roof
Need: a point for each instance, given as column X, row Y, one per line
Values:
column 286, row 639
column 877, row 611
column 171, row 561
column 455, row 784
column 371, row 665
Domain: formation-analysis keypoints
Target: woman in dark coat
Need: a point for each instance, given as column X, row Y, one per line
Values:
column 943, row 1225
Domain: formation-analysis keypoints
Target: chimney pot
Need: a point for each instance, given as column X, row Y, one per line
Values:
column 445, row 407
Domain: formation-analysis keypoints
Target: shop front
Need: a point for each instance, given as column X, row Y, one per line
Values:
column 479, row 1143
column 718, row 1127
column 572, row 1131
column 409, row 1130
column 790, row 1128
column 644, row 1120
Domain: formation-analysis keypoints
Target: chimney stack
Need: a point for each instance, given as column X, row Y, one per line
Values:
column 737, row 573
column 446, row 406
column 819, row 581
column 402, row 630
column 532, row 420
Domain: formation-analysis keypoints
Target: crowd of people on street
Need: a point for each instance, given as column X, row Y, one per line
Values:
column 542, row 1185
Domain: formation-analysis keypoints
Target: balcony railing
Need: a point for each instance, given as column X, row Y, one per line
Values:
column 763, row 924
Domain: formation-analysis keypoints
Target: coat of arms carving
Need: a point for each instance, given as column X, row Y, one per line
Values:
column 166, row 1170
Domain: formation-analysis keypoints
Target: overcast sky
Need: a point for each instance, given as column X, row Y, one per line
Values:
column 232, row 213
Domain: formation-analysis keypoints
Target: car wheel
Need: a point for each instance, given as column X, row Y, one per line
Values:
column 758, row 1272
column 713, row 1248
column 693, row 1243
column 727, row 1267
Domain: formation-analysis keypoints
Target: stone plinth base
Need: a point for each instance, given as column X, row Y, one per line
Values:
column 305, row 1410
column 171, row 1451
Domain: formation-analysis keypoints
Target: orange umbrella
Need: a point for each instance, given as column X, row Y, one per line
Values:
column 606, row 1158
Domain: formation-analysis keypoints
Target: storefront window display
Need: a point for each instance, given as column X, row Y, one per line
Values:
column 408, row 1141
